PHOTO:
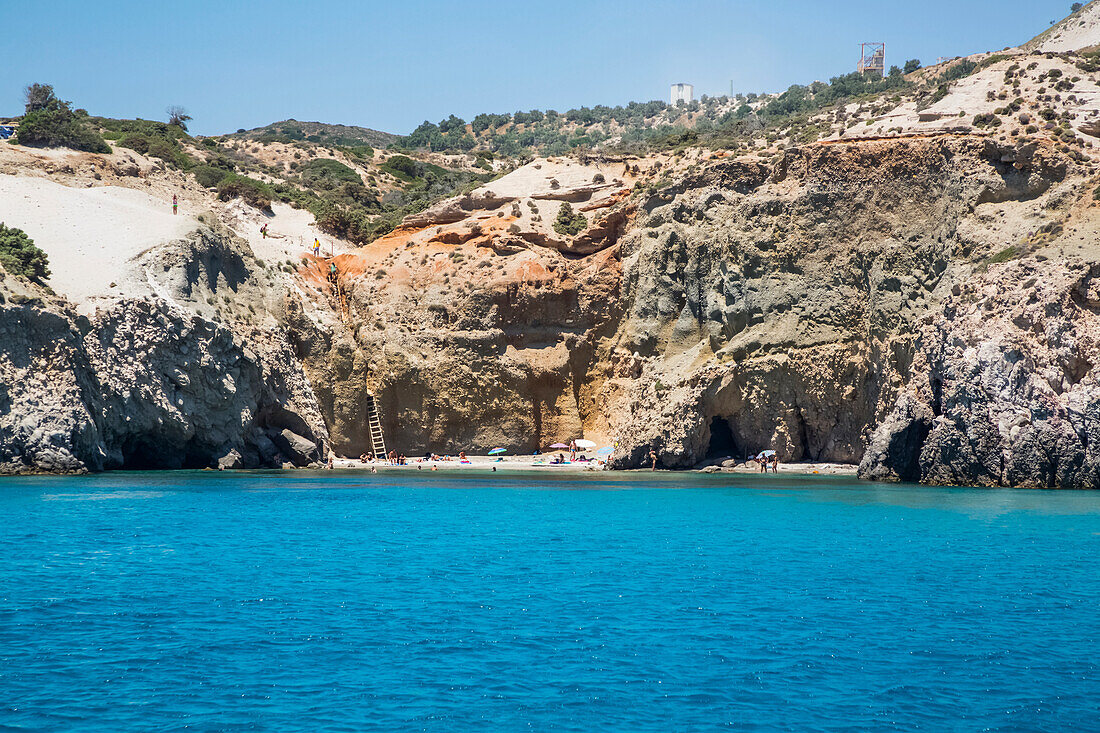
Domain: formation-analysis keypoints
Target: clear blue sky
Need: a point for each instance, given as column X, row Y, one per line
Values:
column 391, row 65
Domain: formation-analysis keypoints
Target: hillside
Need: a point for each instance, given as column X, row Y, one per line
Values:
column 317, row 132
column 1079, row 31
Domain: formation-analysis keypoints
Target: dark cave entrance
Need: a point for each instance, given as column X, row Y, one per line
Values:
column 146, row 455
column 721, row 439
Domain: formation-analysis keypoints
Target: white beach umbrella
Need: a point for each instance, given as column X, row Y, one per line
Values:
column 582, row 443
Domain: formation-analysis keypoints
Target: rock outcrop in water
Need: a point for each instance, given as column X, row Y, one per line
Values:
column 1005, row 388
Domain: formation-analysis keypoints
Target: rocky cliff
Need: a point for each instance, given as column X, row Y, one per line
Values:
column 921, row 305
column 150, row 383
column 775, row 306
column 789, row 303
column 1004, row 388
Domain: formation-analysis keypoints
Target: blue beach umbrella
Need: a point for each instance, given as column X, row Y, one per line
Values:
column 605, row 451
column 497, row 451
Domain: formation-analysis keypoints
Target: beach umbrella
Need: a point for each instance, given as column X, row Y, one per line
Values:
column 605, row 451
column 766, row 454
column 582, row 443
column 559, row 445
column 497, row 451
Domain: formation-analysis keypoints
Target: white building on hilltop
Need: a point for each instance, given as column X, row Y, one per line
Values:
column 686, row 92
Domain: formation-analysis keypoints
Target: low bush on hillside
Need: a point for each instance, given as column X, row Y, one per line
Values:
column 327, row 173
column 156, row 147
column 569, row 222
column 52, row 123
column 209, row 176
column 149, row 137
column 402, row 168
column 253, row 192
column 960, row 70
column 20, row 257
column 987, row 120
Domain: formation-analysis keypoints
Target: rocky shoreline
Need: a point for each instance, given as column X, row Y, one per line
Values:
column 843, row 304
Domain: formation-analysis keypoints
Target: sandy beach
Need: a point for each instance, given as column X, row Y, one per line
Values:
column 542, row 462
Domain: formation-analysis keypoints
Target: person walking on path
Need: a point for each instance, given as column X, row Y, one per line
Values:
column 175, row 204
column 316, row 247
column 263, row 230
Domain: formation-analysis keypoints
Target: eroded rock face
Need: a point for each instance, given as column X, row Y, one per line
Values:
column 1005, row 389
column 785, row 306
column 462, row 354
column 142, row 384
column 747, row 306
column 904, row 304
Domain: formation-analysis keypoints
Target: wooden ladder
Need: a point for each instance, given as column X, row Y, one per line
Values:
column 342, row 297
column 374, row 423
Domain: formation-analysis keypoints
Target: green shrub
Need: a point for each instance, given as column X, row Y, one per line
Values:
column 255, row 193
column 20, row 257
column 402, row 167
column 987, row 120
column 568, row 222
column 149, row 137
column 327, row 173
column 1005, row 255
column 962, row 69
column 52, row 123
column 166, row 149
column 209, row 176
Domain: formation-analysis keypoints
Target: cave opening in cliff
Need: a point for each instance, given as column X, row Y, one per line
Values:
column 721, row 439
column 149, row 455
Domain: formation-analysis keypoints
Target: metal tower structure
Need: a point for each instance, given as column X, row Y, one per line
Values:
column 872, row 57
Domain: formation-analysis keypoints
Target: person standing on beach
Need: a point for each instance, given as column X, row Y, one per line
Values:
column 175, row 204
column 652, row 460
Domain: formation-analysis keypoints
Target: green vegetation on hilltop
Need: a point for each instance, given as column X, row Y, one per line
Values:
column 346, row 202
column 535, row 131
column 644, row 126
column 840, row 89
column 51, row 122
column 148, row 137
column 20, row 257
column 291, row 131
column 348, row 209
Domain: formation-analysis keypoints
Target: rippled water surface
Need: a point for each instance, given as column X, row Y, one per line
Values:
column 489, row 602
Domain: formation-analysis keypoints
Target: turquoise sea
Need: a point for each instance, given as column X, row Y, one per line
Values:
column 634, row 602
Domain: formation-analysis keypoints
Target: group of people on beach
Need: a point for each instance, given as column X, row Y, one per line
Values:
column 393, row 458
column 767, row 462
column 573, row 458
